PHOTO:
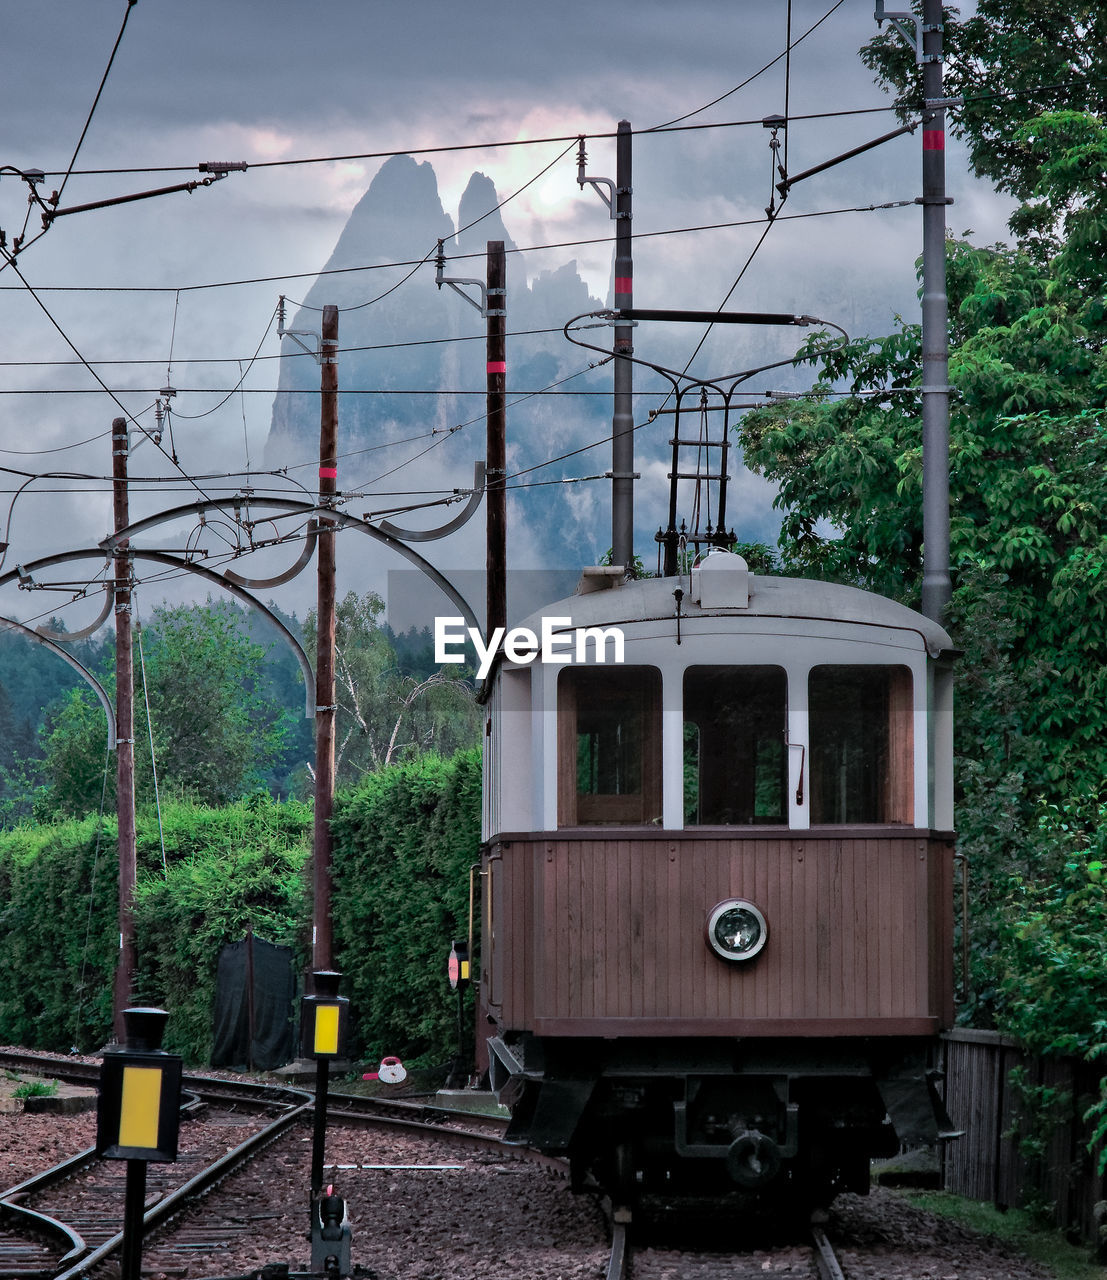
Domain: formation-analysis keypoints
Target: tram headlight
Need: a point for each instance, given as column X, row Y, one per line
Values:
column 736, row 930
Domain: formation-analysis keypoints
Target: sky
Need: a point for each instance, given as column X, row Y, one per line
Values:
column 181, row 289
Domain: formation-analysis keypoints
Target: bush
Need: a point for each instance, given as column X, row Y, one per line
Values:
column 404, row 840
column 403, row 844
column 229, row 869
column 59, row 931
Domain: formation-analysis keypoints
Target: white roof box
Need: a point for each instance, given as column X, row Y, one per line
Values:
column 721, row 580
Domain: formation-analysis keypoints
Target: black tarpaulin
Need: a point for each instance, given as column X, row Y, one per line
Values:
column 271, row 1041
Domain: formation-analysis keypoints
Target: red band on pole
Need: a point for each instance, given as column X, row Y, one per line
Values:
column 328, row 473
column 934, row 140
column 497, row 366
column 624, row 284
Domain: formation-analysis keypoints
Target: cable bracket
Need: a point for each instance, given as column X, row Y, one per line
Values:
column 456, row 282
column 604, row 187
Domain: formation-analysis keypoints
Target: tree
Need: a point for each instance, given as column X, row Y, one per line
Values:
column 1012, row 61
column 214, row 735
column 1029, row 511
column 77, row 769
column 387, row 714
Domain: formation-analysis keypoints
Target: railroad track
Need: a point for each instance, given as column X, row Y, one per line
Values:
column 65, row 1222
column 816, row 1261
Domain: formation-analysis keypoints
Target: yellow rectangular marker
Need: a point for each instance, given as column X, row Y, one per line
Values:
column 140, row 1107
column 326, row 1028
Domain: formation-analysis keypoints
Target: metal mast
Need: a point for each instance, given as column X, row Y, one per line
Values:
column 926, row 42
column 936, row 588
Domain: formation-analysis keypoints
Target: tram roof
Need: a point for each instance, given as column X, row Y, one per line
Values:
column 602, row 600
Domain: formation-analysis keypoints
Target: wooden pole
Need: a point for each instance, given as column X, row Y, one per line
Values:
column 125, row 734
column 325, row 708
column 496, row 447
column 622, row 427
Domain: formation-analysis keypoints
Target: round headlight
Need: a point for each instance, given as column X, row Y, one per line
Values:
column 736, row 930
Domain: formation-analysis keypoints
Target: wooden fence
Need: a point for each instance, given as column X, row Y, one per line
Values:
column 987, row 1163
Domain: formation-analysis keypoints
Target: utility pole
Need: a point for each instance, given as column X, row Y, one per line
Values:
column 936, row 587
column 125, row 734
column 496, row 465
column 325, row 708
column 622, row 423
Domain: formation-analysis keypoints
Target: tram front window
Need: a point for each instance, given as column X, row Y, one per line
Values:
column 735, row 758
column 861, row 744
column 609, row 745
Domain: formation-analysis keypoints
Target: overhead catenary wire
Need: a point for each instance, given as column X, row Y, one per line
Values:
column 788, row 47
column 96, row 100
column 69, row 170
column 111, row 394
column 1059, row 86
column 239, row 385
column 462, row 257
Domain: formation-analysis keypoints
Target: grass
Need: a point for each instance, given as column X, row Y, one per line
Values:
column 1017, row 1228
column 36, row 1089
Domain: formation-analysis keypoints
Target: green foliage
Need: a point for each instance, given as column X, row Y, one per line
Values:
column 404, row 840
column 1012, row 60
column 759, row 556
column 1039, row 1110
column 1097, row 1115
column 229, row 869
column 214, row 736
column 77, row 767
column 59, row 938
column 218, row 734
column 36, row 1089
column 385, row 713
column 1054, row 968
column 58, row 933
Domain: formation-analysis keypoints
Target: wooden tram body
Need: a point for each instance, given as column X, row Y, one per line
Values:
column 767, row 746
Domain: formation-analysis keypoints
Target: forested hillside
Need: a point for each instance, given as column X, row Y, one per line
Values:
column 219, row 710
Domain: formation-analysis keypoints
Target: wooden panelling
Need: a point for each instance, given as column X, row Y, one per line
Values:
column 987, row 1162
column 597, row 928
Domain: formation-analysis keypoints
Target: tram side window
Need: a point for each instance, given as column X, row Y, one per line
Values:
column 609, row 745
column 861, row 731
column 735, row 757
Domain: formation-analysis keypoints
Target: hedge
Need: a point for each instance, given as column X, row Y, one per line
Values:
column 59, row 933
column 403, row 843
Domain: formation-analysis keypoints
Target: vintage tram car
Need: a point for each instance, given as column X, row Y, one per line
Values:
column 717, row 882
